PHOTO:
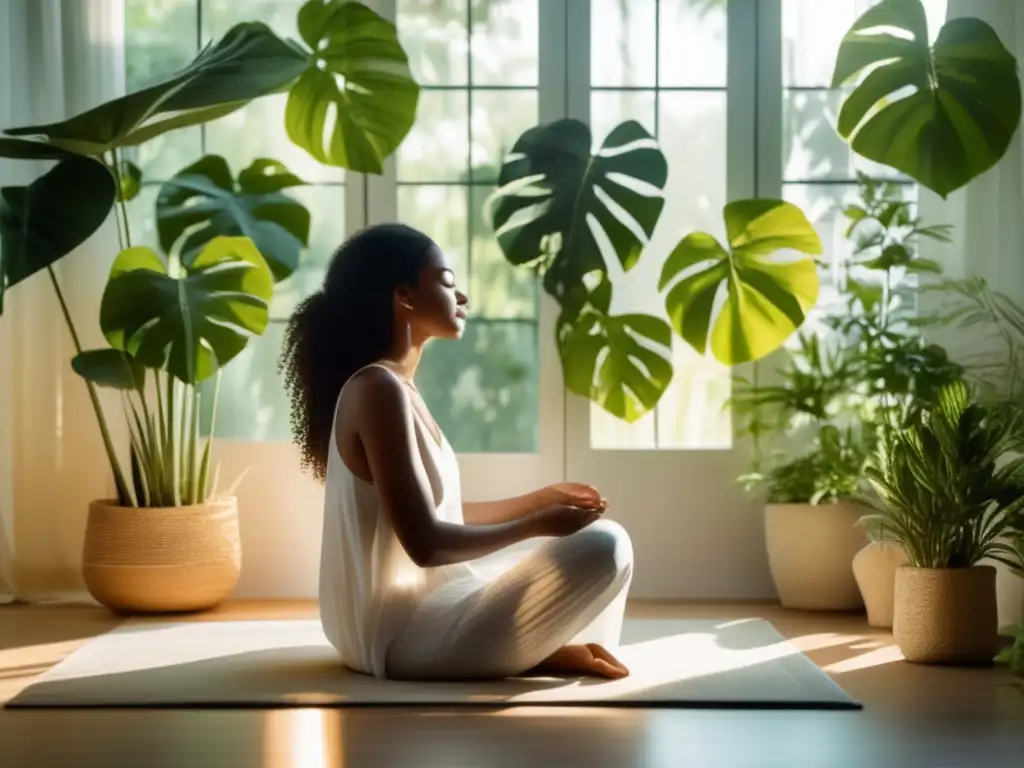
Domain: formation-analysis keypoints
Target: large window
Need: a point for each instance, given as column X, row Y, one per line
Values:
column 477, row 64
column 663, row 63
column 670, row 64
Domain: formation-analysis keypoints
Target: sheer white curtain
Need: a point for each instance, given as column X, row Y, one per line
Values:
column 58, row 57
column 988, row 239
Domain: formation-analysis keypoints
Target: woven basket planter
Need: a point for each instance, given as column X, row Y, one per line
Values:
column 946, row 615
column 162, row 560
column 810, row 555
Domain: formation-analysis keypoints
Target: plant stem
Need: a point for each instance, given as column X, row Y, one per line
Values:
column 124, row 494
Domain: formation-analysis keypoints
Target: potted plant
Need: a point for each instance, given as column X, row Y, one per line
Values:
column 863, row 360
column 950, row 498
column 810, row 522
column 169, row 538
column 992, row 353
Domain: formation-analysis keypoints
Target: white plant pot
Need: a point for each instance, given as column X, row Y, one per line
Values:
column 1009, row 596
column 810, row 554
column 874, row 568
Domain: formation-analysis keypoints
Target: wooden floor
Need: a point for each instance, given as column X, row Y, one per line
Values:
column 913, row 715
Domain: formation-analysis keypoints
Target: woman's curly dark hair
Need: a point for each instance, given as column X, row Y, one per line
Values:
column 344, row 326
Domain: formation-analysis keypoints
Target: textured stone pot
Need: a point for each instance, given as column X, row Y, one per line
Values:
column 874, row 568
column 946, row 615
column 810, row 554
column 162, row 560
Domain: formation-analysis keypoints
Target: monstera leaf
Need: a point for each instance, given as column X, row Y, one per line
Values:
column 964, row 108
column 111, row 368
column 249, row 62
column 56, row 213
column 554, row 197
column 617, row 361
column 766, row 298
column 204, row 201
column 193, row 324
column 374, row 102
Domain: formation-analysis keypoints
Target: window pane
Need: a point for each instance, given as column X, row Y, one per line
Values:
column 692, row 133
column 440, row 211
column 326, row 205
column 163, row 38
column 497, row 289
column 433, row 34
column 221, row 15
column 437, row 147
column 499, row 117
column 483, row 388
column 504, row 45
column 812, row 31
column 812, row 147
column 252, row 403
column 692, row 49
column 622, row 43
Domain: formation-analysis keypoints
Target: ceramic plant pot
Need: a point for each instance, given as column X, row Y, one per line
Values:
column 162, row 560
column 810, row 554
column 946, row 615
column 874, row 568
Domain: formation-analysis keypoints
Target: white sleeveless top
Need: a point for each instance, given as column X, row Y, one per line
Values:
column 369, row 587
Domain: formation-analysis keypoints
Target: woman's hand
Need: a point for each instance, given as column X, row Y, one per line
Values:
column 572, row 495
column 562, row 520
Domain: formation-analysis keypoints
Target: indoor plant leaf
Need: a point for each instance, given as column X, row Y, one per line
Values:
column 190, row 325
column 110, row 367
column 966, row 100
column 129, row 180
column 25, row 149
column 204, row 201
column 44, row 221
column 374, row 104
column 250, row 61
column 553, row 194
column 619, row 362
column 766, row 297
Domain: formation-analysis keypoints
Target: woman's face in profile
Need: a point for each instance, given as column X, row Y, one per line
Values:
column 439, row 308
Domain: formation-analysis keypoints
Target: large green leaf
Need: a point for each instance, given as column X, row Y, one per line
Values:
column 553, row 196
column 766, row 297
column 250, row 61
column 204, row 201
column 190, row 325
column 56, row 213
column 617, row 361
column 373, row 106
column 965, row 103
column 111, row 368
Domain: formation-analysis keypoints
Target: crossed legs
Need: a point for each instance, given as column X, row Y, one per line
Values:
column 569, row 591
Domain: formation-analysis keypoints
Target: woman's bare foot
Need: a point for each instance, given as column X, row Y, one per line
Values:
column 590, row 659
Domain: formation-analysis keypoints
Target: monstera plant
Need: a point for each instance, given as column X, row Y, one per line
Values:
column 963, row 105
column 351, row 100
column 569, row 212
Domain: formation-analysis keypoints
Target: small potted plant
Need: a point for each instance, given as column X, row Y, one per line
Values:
column 949, row 496
column 811, row 531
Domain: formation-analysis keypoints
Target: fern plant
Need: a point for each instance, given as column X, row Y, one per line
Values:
column 948, row 492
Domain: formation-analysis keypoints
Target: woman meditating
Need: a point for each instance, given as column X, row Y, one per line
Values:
column 399, row 595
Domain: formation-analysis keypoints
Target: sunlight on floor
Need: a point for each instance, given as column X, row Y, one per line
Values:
column 303, row 738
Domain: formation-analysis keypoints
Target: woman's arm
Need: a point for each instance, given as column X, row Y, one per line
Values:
column 505, row 510
column 387, row 432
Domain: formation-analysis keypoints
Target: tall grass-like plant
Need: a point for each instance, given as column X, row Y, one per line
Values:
column 951, row 490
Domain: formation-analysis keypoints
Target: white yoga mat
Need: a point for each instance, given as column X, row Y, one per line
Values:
column 708, row 663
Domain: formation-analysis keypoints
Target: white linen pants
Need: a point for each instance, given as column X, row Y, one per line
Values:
column 570, row 590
